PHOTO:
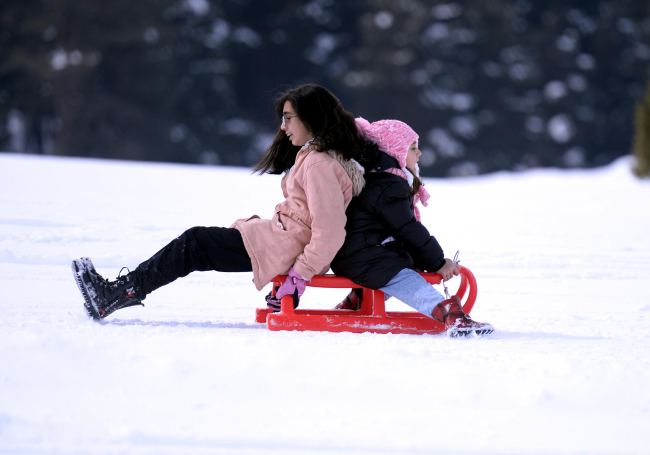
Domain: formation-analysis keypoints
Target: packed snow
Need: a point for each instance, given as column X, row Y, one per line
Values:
column 562, row 260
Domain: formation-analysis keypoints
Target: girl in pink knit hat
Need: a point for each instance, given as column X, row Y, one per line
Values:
column 386, row 242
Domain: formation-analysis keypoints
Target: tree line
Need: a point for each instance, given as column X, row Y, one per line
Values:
column 505, row 84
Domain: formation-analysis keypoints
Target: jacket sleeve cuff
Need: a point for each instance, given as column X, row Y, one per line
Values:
column 438, row 265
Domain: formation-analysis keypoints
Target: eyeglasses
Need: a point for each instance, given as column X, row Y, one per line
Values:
column 286, row 118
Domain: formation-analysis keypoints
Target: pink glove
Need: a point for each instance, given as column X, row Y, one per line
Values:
column 294, row 283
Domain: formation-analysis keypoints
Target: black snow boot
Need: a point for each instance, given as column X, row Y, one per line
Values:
column 103, row 297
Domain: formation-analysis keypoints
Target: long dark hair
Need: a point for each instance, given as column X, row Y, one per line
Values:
column 324, row 116
column 417, row 183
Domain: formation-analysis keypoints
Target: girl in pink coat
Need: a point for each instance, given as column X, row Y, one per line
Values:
column 317, row 148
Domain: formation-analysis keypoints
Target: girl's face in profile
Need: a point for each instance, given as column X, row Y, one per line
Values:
column 294, row 128
column 412, row 156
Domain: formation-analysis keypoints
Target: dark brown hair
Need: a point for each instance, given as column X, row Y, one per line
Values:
column 417, row 183
column 322, row 113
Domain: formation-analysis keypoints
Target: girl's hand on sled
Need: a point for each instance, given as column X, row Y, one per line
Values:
column 448, row 270
column 292, row 284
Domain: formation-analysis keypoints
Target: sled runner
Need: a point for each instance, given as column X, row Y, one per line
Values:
column 372, row 317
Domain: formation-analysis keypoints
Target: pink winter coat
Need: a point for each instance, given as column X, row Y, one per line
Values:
column 308, row 228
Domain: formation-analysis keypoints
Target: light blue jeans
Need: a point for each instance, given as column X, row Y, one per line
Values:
column 409, row 287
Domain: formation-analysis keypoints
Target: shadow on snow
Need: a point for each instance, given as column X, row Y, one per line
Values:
column 205, row 325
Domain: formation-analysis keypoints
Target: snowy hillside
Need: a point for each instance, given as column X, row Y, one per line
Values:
column 562, row 260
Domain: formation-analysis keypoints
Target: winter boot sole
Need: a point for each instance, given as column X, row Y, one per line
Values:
column 466, row 332
column 77, row 270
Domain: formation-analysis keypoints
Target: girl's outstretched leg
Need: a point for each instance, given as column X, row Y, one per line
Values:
column 197, row 249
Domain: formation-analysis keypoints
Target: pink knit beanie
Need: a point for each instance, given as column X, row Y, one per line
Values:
column 394, row 138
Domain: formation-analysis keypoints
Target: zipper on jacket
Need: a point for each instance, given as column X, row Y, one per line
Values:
column 388, row 239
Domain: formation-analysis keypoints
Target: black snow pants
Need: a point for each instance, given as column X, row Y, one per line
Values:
column 197, row 249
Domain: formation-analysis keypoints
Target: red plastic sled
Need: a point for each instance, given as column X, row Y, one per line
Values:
column 372, row 317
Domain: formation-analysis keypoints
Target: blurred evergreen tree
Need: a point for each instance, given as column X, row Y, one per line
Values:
column 642, row 136
column 506, row 84
column 168, row 80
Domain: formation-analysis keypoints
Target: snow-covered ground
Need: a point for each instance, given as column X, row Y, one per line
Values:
column 562, row 260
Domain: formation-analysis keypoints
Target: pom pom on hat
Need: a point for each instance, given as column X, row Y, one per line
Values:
column 362, row 125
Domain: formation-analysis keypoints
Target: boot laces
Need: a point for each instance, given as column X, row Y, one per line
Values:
column 105, row 281
column 113, row 284
column 119, row 275
column 101, row 281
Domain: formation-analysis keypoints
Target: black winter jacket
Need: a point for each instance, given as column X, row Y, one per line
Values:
column 384, row 209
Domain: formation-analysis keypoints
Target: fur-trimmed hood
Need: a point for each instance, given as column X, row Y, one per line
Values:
column 354, row 170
